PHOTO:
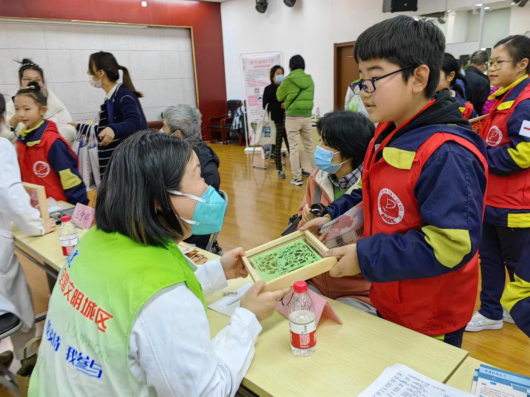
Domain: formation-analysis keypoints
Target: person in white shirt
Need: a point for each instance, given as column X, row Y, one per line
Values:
column 56, row 112
column 128, row 315
column 15, row 207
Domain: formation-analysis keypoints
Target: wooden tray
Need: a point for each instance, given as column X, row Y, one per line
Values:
column 303, row 273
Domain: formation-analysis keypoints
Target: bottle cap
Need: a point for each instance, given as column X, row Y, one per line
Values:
column 65, row 218
column 300, row 287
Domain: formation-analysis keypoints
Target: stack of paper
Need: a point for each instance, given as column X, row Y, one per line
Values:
column 489, row 381
column 401, row 381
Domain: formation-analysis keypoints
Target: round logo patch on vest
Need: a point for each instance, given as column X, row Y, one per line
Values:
column 494, row 136
column 390, row 207
column 41, row 169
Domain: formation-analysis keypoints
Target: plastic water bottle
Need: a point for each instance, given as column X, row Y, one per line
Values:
column 68, row 235
column 318, row 113
column 302, row 321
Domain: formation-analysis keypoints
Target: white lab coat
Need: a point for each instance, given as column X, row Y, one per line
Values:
column 57, row 112
column 14, row 206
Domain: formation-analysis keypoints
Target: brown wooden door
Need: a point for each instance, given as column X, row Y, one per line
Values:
column 346, row 71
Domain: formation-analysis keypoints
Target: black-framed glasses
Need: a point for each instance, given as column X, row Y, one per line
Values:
column 368, row 85
column 496, row 65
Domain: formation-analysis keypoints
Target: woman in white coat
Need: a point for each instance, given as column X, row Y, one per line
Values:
column 15, row 206
column 56, row 112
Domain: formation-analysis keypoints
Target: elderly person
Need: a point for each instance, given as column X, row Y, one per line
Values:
column 184, row 122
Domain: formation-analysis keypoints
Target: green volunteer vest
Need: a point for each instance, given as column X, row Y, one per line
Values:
column 106, row 281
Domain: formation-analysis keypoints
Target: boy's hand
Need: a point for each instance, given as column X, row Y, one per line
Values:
column 314, row 224
column 233, row 264
column 106, row 136
column 306, row 214
column 348, row 264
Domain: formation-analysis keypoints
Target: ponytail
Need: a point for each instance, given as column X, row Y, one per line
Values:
column 107, row 62
column 127, row 82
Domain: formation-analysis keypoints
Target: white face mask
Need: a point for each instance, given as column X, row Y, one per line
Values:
column 95, row 84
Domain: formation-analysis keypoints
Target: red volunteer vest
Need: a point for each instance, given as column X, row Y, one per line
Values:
column 432, row 306
column 510, row 191
column 467, row 110
column 35, row 167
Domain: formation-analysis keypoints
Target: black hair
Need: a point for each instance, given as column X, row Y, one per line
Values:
column 2, row 105
column 28, row 64
column 297, row 62
column 479, row 57
column 107, row 62
column 347, row 132
column 273, row 71
column 406, row 42
column 451, row 65
column 519, row 48
column 142, row 169
column 33, row 91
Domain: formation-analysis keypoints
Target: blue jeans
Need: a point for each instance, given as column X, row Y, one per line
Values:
column 501, row 248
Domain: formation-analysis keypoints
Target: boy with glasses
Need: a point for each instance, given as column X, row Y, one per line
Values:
column 423, row 185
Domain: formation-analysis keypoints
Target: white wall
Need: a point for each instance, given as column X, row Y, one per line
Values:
column 457, row 27
column 520, row 20
column 159, row 60
column 309, row 29
column 457, row 49
column 497, row 26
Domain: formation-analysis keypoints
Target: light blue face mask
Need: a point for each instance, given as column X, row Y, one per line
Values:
column 323, row 159
column 209, row 212
column 279, row 78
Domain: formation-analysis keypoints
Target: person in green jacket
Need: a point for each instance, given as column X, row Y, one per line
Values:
column 298, row 91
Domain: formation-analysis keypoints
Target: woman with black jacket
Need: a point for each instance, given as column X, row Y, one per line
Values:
column 277, row 111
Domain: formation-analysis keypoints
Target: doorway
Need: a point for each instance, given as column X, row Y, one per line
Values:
column 346, row 71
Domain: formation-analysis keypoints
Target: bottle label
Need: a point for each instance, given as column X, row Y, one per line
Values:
column 68, row 244
column 303, row 336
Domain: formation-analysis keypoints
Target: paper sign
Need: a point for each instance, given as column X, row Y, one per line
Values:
column 226, row 305
column 83, row 216
column 320, row 304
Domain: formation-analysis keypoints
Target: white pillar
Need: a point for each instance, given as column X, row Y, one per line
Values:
column 481, row 28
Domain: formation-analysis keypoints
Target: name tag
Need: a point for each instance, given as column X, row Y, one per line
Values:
column 525, row 129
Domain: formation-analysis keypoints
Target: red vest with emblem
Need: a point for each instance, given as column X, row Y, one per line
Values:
column 509, row 191
column 35, row 167
column 467, row 110
column 432, row 306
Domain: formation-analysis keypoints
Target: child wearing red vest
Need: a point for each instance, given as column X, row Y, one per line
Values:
column 506, row 234
column 44, row 156
column 449, row 77
column 423, row 186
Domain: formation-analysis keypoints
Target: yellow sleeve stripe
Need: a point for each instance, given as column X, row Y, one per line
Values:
column 521, row 154
column 515, row 292
column 449, row 245
column 398, row 158
column 505, row 105
column 69, row 179
column 519, row 220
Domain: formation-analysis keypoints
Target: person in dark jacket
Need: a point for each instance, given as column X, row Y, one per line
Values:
column 277, row 112
column 121, row 114
column 478, row 84
column 185, row 122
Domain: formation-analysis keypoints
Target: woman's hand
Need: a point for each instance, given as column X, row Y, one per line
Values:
column 106, row 136
column 233, row 264
column 307, row 215
column 314, row 224
column 49, row 226
column 261, row 303
column 348, row 264
column 283, row 105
